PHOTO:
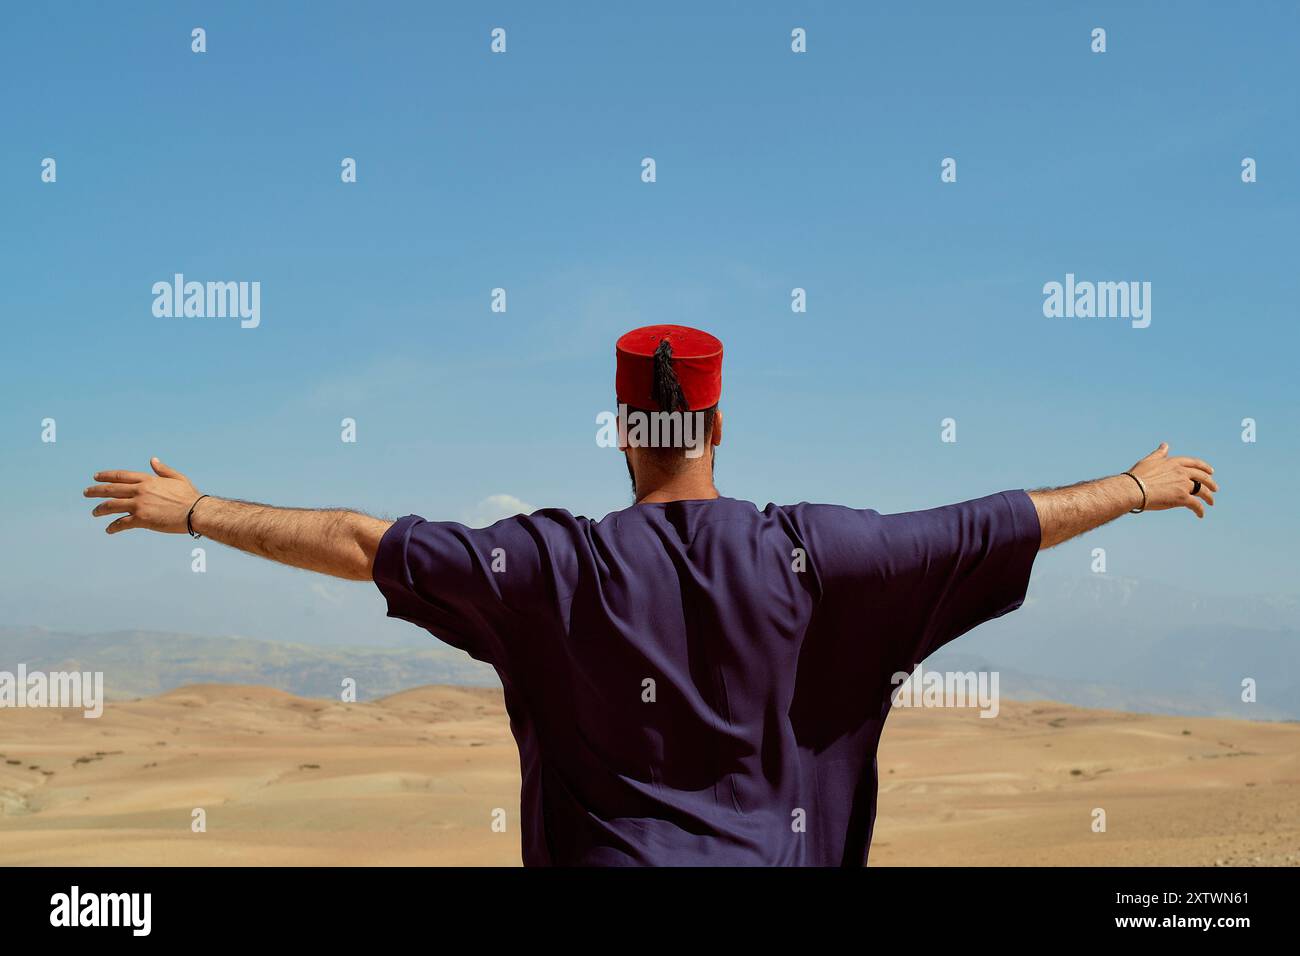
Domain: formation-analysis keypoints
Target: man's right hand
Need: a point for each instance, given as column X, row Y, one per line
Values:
column 1168, row 481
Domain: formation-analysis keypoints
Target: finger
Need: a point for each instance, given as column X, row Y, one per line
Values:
column 113, row 508
column 109, row 491
column 1205, row 495
column 1188, row 502
column 1193, row 463
column 1161, row 450
column 132, row 476
column 164, row 471
column 1205, row 480
column 124, row 523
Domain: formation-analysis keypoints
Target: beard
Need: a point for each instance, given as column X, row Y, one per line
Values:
column 631, row 475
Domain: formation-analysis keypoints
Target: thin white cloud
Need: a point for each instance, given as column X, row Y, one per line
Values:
column 493, row 508
column 325, row 592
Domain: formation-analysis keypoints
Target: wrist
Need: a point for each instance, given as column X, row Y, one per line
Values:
column 193, row 521
column 1137, row 491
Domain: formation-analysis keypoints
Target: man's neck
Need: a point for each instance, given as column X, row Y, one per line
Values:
column 683, row 488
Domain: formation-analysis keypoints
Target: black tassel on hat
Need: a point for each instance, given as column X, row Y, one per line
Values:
column 667, row 390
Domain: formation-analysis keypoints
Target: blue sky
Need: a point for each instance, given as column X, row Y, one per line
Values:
column 522, row 171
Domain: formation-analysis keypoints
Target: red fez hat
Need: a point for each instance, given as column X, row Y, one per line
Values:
column 647, row 355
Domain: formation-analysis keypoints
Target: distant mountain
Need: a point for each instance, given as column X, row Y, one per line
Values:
column 143, row 663
column 1194, row 701
column 1106, row 641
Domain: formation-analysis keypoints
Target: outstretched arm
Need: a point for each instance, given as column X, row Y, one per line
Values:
column 1168, row 482
column 331, row 541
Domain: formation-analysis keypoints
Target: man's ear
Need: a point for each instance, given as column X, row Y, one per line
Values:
column 717, row 427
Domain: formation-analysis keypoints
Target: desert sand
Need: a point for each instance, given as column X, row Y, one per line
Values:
column 419, row 777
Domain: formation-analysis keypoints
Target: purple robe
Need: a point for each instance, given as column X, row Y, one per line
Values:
column 701, row 682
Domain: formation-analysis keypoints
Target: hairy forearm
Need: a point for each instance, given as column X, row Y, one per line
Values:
column 332, row 541
column 1157, row 482
column 1064, row 513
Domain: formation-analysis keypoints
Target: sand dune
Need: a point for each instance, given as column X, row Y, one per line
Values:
column 1022, row 789
column 415, row 778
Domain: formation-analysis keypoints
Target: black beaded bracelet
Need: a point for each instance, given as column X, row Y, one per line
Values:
column 189, row 514
column 1143, row 489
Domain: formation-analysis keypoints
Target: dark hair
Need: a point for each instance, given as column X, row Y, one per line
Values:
column 675, row 450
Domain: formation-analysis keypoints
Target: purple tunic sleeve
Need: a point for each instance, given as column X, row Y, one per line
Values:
column 466, row 586
column 906, row 584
